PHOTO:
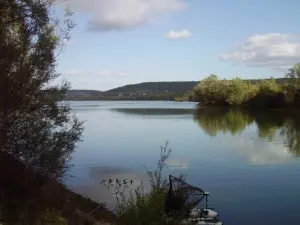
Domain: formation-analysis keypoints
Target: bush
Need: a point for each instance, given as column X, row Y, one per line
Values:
column 145, row 208
column 211, row 91
column 183, row 98
column 237, row 92
column 53, row 217
column 266, row 93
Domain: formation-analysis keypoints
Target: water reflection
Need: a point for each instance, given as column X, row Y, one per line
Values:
column 259, row 152
column 154, row 111
column 177, row 163
column 220, row 120
column 272, row 126
column 249, row 166
column 99, row 192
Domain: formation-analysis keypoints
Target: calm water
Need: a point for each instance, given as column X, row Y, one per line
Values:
column 246, row 160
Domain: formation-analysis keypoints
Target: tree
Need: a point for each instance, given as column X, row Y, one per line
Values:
column 297, row 70
column 211, row 91
column 36, row 129
column 253, row 94
column 238, row 92
column 292, row 89
column 268, row 86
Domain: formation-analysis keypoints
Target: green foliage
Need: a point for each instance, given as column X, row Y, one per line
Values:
column 238, row 91
column 147, row 208
column 143, row 208
column 53, row 217
column 36, row 131
column 210, row 91
column 166, row 91
column 292, row 89
column 34, row 126
column 297, row 69
column 268, row 93
column 268, row 86
column 183, row 98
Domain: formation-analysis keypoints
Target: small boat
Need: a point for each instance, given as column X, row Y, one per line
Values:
column 183, row 200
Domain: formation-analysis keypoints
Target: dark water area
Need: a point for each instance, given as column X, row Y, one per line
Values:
column 248, row 161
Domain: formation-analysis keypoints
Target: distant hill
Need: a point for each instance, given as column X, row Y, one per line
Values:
column 142, row 91
column 82, row 94
column 172, row 86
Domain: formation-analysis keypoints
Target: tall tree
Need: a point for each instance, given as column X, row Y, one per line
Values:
column 292, row 90
column 36, row 129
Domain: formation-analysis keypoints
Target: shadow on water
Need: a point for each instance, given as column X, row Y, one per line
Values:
column 154, row 111
column 286, row 124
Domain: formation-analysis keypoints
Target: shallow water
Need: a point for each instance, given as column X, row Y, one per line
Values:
column 248, row 161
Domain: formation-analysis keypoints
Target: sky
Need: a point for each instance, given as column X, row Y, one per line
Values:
column 119, row 42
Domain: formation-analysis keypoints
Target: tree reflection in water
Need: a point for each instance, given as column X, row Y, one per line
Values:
column 214, row 121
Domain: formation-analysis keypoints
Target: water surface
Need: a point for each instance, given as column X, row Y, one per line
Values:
column 248, row 161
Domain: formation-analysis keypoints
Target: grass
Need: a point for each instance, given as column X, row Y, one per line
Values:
column 146, row 208
column 57, row 205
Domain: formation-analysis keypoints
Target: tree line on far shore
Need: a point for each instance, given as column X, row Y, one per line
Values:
column 267, row 93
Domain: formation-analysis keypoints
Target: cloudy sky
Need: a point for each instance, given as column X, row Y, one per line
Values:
column 118, row 42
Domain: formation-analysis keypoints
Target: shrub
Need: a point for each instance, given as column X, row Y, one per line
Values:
column 260, row 94
column 145, row 208
column 53, row 217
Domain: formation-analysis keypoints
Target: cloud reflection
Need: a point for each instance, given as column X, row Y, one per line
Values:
column 259, row 152
column 177, row 163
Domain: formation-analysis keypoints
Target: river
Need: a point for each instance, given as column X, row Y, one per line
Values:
column 248, row 161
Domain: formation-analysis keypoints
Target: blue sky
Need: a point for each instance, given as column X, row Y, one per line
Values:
column 118, row 42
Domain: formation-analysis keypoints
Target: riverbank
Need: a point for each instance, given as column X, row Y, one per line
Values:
column 27, row 196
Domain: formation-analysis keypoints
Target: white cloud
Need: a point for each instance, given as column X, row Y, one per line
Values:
column 122, row 14
column 178, row 34
column 273, row 50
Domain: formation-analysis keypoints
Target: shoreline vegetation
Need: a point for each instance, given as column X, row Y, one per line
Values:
column 148, row 91
column 280, row 93
column 264, row 94
column 38, row 136
column 43, row 201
